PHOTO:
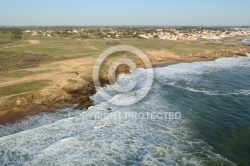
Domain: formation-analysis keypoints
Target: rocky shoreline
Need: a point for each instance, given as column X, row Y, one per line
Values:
column 76, row 92
column 49, row 99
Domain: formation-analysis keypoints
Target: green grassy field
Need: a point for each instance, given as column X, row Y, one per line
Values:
column 14, row 55
column 33, row 63
column 16, row 73
column 23, row 88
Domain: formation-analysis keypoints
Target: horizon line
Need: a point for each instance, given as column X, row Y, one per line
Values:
column 124, row 25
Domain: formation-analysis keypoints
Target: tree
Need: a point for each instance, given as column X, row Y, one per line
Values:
column 17, row 34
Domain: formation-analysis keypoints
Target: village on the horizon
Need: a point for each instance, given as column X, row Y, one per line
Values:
column 116, row 33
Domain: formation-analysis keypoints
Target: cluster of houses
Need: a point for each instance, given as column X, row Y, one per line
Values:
column 148, row 33
column 39, row 33
column 195, row 34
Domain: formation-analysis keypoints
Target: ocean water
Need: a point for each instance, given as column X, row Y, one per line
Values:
column 213, row 99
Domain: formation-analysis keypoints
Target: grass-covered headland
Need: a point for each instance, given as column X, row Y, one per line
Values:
column 42, row 69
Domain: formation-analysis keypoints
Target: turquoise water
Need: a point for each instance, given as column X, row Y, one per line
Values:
column 217, row 106
column 214, row 128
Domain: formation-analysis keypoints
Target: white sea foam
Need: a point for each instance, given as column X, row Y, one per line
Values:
column 104, row 141
column 242, row 92
column 212, row 93
column 107, row 141
column 216, row 93
column 187, row 70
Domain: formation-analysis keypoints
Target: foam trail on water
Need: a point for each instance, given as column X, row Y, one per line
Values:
column 104, row 140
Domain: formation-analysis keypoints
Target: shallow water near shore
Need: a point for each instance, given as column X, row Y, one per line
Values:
column 214, row 128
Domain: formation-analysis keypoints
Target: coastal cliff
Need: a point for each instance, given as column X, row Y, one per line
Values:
column 77, row 91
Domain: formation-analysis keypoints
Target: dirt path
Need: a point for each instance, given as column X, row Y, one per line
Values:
column 30, row 42
column 16, row 46
column 59, row 72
